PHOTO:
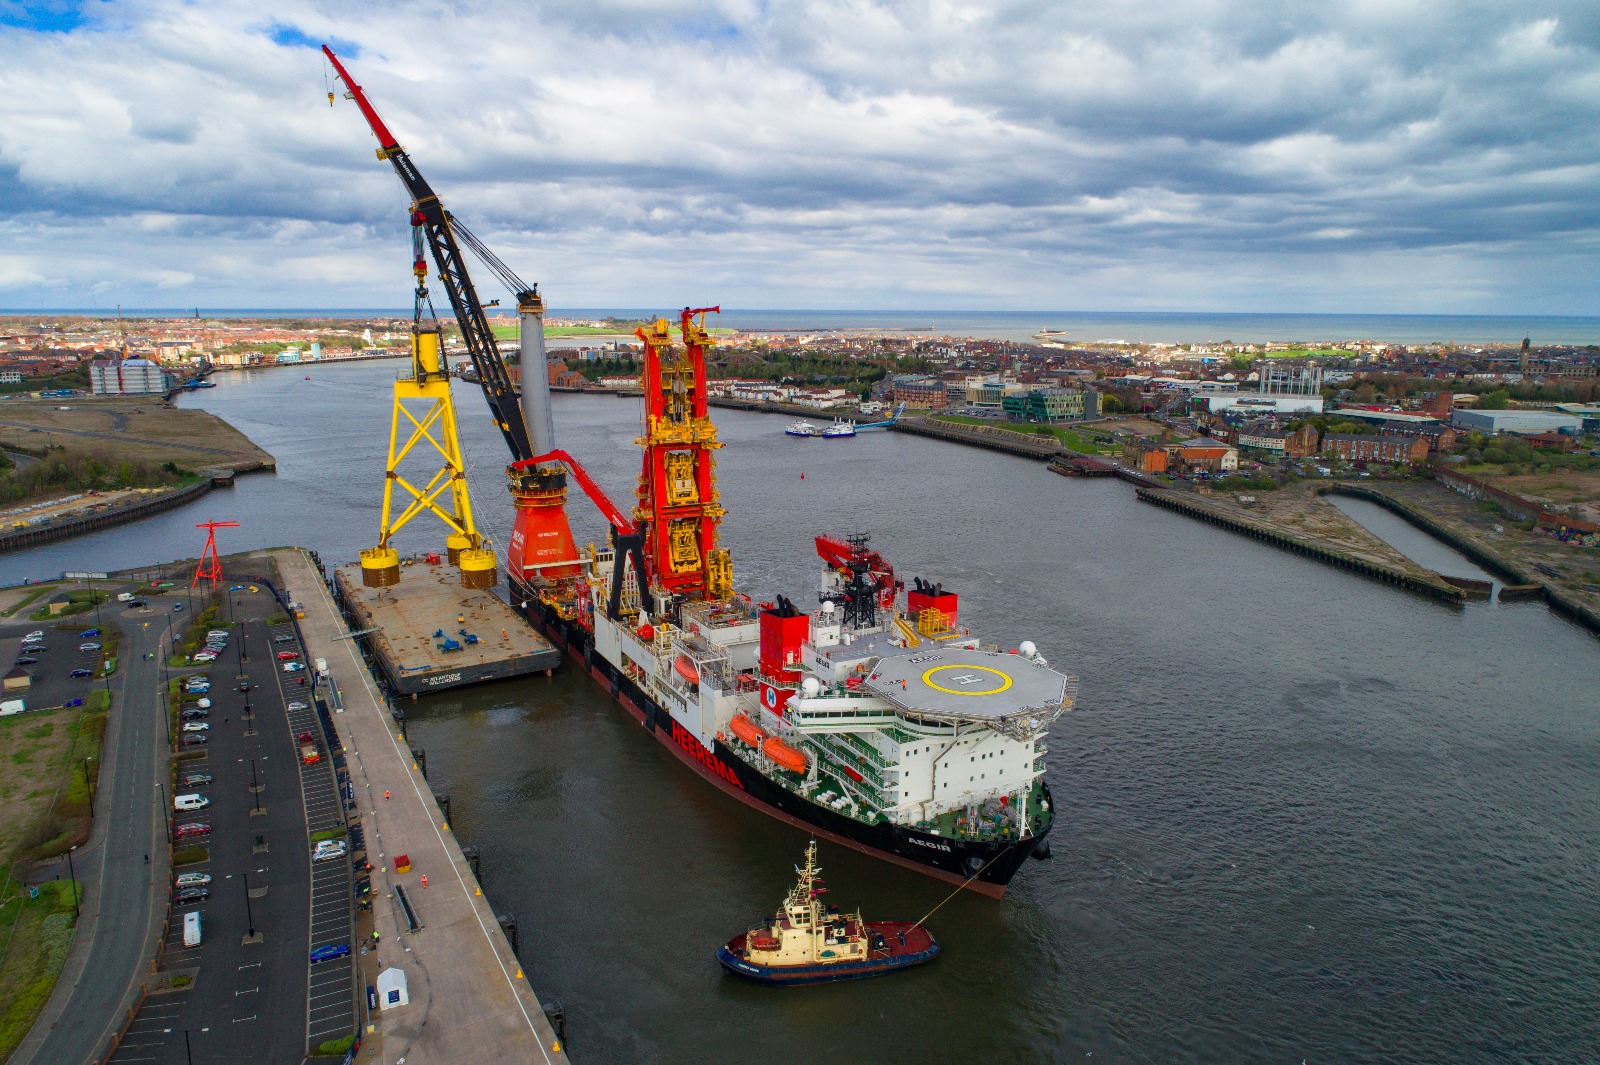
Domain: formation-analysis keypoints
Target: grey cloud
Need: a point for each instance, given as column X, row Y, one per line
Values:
column 1142, row 153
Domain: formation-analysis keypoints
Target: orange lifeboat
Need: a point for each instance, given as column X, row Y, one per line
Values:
column 786, row 756
column 686, row 669
column 747, row 730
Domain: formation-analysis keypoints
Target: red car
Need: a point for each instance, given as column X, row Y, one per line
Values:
column 192, row 829
column 288, row 656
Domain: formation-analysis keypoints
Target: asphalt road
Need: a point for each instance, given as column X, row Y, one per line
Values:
column 123, row 902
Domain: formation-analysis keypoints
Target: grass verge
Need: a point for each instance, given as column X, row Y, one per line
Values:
column 38, row 936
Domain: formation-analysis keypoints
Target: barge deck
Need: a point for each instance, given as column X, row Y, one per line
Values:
column 433, row 634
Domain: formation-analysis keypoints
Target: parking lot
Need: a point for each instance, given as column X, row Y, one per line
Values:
column 254, row 998
column 50, row 659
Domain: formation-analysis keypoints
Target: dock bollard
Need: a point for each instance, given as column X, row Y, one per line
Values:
column 443, row 799
column 420, row 757
column 556, row 1014
column 508, row 925
column 474, row 861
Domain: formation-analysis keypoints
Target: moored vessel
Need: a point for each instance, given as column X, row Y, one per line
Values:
column 802, row 428
column 877, row 719
column 809, row 942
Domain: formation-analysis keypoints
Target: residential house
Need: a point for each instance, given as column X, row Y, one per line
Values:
column 1360, row 448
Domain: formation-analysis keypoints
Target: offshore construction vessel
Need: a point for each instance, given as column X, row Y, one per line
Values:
column 878, row 721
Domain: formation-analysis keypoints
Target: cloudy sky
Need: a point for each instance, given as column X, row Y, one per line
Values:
column 1286, row 155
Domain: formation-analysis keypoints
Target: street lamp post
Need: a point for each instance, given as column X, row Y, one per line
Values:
column 88, row 783
column 187, row 1051
column 166, row 822
column 73, row 877
column 255, row 789
column 249, row 916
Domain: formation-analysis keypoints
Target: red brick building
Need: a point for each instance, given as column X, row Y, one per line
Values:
column 1359, row 448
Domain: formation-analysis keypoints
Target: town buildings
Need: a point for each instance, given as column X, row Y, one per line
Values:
column 1363, row 448
column 127, row 377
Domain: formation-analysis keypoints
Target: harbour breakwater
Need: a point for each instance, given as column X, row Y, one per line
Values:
column 1426, row 583
column 40, row 534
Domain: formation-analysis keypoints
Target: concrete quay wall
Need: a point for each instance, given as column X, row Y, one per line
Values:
column 1435, row 588
column 469, row 997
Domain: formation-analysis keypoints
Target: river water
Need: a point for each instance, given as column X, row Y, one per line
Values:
column 1301, row 815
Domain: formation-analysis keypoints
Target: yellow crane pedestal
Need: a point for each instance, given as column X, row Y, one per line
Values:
column 423, row 405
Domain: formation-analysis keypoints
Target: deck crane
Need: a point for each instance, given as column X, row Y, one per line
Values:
column 541, row 553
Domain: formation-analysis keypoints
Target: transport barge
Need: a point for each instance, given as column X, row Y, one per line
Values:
column 428, row 633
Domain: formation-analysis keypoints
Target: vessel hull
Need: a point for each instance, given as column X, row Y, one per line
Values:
column 949, row 859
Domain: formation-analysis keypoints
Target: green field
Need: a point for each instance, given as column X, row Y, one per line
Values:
column 1069, row 437
column 37, row 935
column 1309, row 353
column 510, row 332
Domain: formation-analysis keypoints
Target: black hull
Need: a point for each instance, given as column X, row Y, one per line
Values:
column 953, row 860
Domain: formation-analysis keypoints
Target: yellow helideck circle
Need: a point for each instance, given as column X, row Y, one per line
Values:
column 1005, row 681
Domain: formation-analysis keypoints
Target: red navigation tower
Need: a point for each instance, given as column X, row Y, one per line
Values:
column 677, row 487
column 210, row 567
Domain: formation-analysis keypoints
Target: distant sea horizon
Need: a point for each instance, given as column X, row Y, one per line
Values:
column 1084, row 327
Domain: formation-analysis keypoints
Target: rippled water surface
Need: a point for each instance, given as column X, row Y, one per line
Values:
column 1301, row 815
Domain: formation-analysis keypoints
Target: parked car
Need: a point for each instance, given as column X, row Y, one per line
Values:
column 293, row 667
column 195, row 715
column 177, row 606
column 88, row 634
column 192, row 880
column 204, row 656
column 192, row 740
column 288, row 656
column 283, row 637
column 184, row 896
column 190, row 802
column 330, row 854
column 192, row 829
column 27, row 660
column 138, row 602
column 296, row 706
column 216, row 632
column 194, row 780
column 330, row 951
column 195, row 726
column 304, row 737
column 203, row 703
column 36, row 634
column 83, row 673
column 197, row 684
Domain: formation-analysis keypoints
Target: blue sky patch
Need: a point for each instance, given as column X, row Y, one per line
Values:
column 292, row 37
column 51, row 16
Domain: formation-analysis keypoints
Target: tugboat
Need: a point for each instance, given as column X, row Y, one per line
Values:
column 808, row 942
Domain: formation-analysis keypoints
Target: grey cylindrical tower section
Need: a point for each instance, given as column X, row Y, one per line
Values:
column 535, row 378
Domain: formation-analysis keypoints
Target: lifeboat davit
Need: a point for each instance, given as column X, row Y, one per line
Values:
column 786, row 756
column 747, row 730
column 686, row 669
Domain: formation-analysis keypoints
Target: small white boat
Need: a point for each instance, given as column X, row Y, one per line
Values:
column 839, row 428
column 803, row 428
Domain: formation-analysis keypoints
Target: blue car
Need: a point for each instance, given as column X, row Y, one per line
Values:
column 88, row 634
column 83, row 673
column 330, row 951
column 177, row 606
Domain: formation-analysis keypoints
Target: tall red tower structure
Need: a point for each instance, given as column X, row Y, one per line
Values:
column 210, row 567
column 678, row 485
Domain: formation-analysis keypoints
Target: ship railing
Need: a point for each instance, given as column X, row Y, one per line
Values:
column 840, row 762
column 865, row 748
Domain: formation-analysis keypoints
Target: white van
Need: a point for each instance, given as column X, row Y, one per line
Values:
column 124, row 597
column 191, row 929
column 190, row 802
